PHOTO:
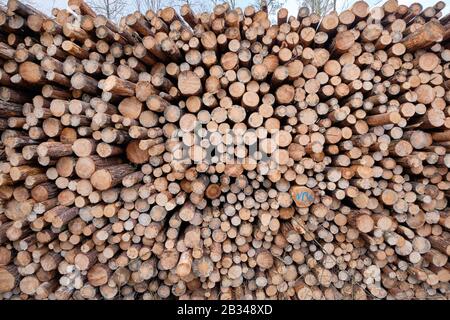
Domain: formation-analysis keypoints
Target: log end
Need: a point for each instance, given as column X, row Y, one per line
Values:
column 101, row 180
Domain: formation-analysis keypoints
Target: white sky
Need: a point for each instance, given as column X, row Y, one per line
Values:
column 291, row 5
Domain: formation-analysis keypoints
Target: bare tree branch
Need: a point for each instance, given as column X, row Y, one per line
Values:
column 272, row 5
column 232, row 3
column 29, row 2
column 320, row 7
column 112, row 9
column 196, row 5
column 145, row 5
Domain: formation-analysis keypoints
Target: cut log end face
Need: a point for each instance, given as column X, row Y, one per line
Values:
column 135, row 154
column 30, row 72
column 101, row 180
column 302, row 196
column 7, row 281
column 189, row 83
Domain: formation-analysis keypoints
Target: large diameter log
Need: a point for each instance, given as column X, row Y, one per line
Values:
column 9, row 278
column 107, row 178
column 118, row 86
column 32, row 73
column 425, row 36
column 189, row 83
column 303, row 196
column 135, row 154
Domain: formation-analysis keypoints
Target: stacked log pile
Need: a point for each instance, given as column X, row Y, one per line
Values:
column 222, row 156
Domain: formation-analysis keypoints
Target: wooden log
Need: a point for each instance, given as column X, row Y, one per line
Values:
column 109, row 177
